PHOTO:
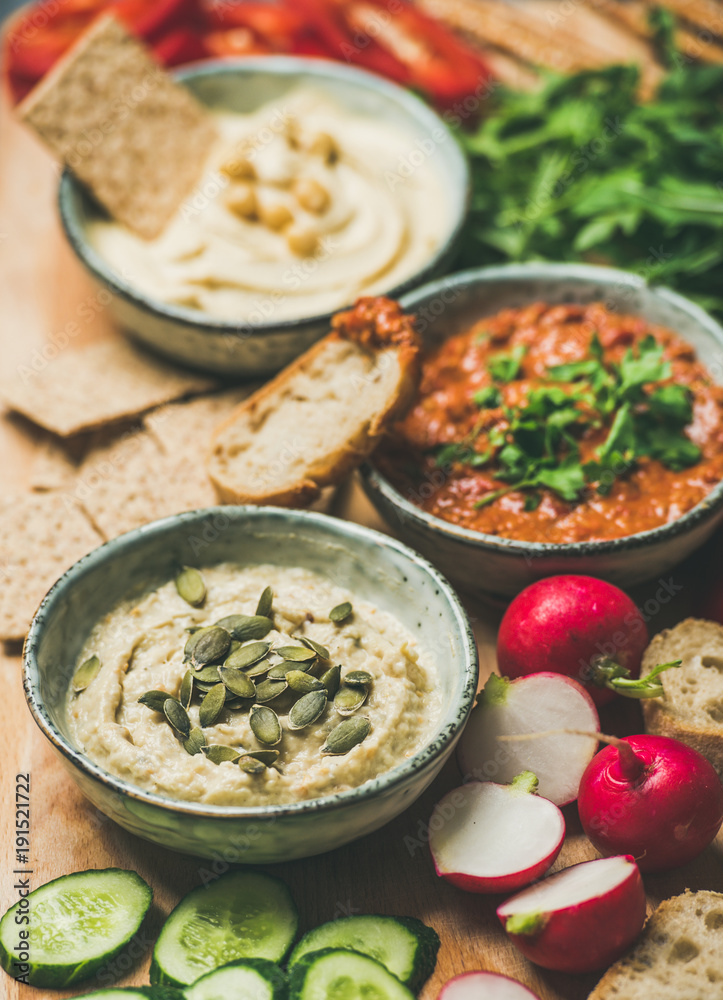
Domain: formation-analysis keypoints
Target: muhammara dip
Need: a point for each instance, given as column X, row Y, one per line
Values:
column 304, row 206
column 140, row 645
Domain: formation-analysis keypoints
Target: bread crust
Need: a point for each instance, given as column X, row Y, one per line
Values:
column 624, row 980
column 373, row 325
column 658, row 713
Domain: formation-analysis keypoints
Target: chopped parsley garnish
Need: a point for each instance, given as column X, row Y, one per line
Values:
column 488, row 398
column 506, row 367
column 538, row 447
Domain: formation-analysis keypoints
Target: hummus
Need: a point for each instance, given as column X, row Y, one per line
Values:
column 140, row 646
column 304, row 206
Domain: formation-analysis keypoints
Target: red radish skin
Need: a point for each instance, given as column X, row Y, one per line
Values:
column 542, row 701
column 485, row 986
column 486, row 837
column 563, row 623
column 586, row 934
column 662, row 803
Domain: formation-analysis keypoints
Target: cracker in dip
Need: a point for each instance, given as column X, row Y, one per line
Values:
column 140, row 645
column 303, row 207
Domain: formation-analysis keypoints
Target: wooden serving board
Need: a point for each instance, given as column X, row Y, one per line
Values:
column 43, row 291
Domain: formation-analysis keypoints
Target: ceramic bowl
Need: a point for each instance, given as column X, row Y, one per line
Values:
column 375, row 567
column 496, row 568
column 239, row 348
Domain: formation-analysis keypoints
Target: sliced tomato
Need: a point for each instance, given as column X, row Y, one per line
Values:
column 234, row 42
column 31, row 50
column 277, row 23
column 151, row 19
column 179, row 46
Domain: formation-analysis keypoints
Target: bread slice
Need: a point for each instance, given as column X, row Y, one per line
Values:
column 321, row 416
column 678, row 956
column 692, row 707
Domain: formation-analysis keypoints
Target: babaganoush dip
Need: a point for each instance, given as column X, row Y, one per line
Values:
column 304, row 206
column 301, row 691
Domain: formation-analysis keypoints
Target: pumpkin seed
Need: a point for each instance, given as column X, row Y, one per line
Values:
column 190, row 586
column 177, row 716
column 299, row 654
column 244, row 627
column 86, row 672
column 245, row 656
column 331, row 679
column 340, row 613
column 212, row 705
column 207, row 675
column 211, row 647
column 250, row 765
column 303, row 683
column 347, row 735
column 358, row 678
column 267, row 757
column 279, row 672
column 269, row 689
column 217, row 753
column 263, row 608
column 348, row 699
column 197, row 632
column 196, row 741
column 307, row 710
column 258, row 668
column 320, row 650
column 237, row 682
column 155, row 700
column 265, row 725
column 186, row 692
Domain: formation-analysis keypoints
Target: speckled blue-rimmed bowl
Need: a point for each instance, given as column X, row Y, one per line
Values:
column 496, row 568
column 371, row 565
column 250, row 349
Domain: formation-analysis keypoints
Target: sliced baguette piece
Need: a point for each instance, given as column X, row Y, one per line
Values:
column 691, row 709
column 678, row 956
column 321, row 416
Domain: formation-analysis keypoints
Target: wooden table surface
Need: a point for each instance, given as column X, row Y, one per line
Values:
column 387, row 872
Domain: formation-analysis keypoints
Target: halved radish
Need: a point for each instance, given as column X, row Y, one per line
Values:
column 486, row 837
column 484, row 986
column 533, row 704
column 580, row 919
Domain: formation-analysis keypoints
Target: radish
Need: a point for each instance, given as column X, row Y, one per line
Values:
column 652, row 797
column 527, row 705
column 580, row 919
column 578, row 626
column 486, row 837
column 484, row 986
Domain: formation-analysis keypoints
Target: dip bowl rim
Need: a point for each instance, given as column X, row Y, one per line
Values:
column 388, row 781
column 378, row 487
column 283, row 66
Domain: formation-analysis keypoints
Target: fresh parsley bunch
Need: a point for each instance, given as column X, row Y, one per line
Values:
column 583, row 171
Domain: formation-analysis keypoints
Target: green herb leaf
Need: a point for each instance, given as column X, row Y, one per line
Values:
column 488, row 398
column 506, row 367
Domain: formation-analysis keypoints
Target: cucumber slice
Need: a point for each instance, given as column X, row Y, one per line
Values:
column 247, row 979
column 404, row 945
column 240, row 915
column 340, row 974
column 75, row 925
column 135, row 993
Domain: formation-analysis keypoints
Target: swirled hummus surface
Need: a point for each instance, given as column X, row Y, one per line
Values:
column 140, row 645
column 303, row 207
